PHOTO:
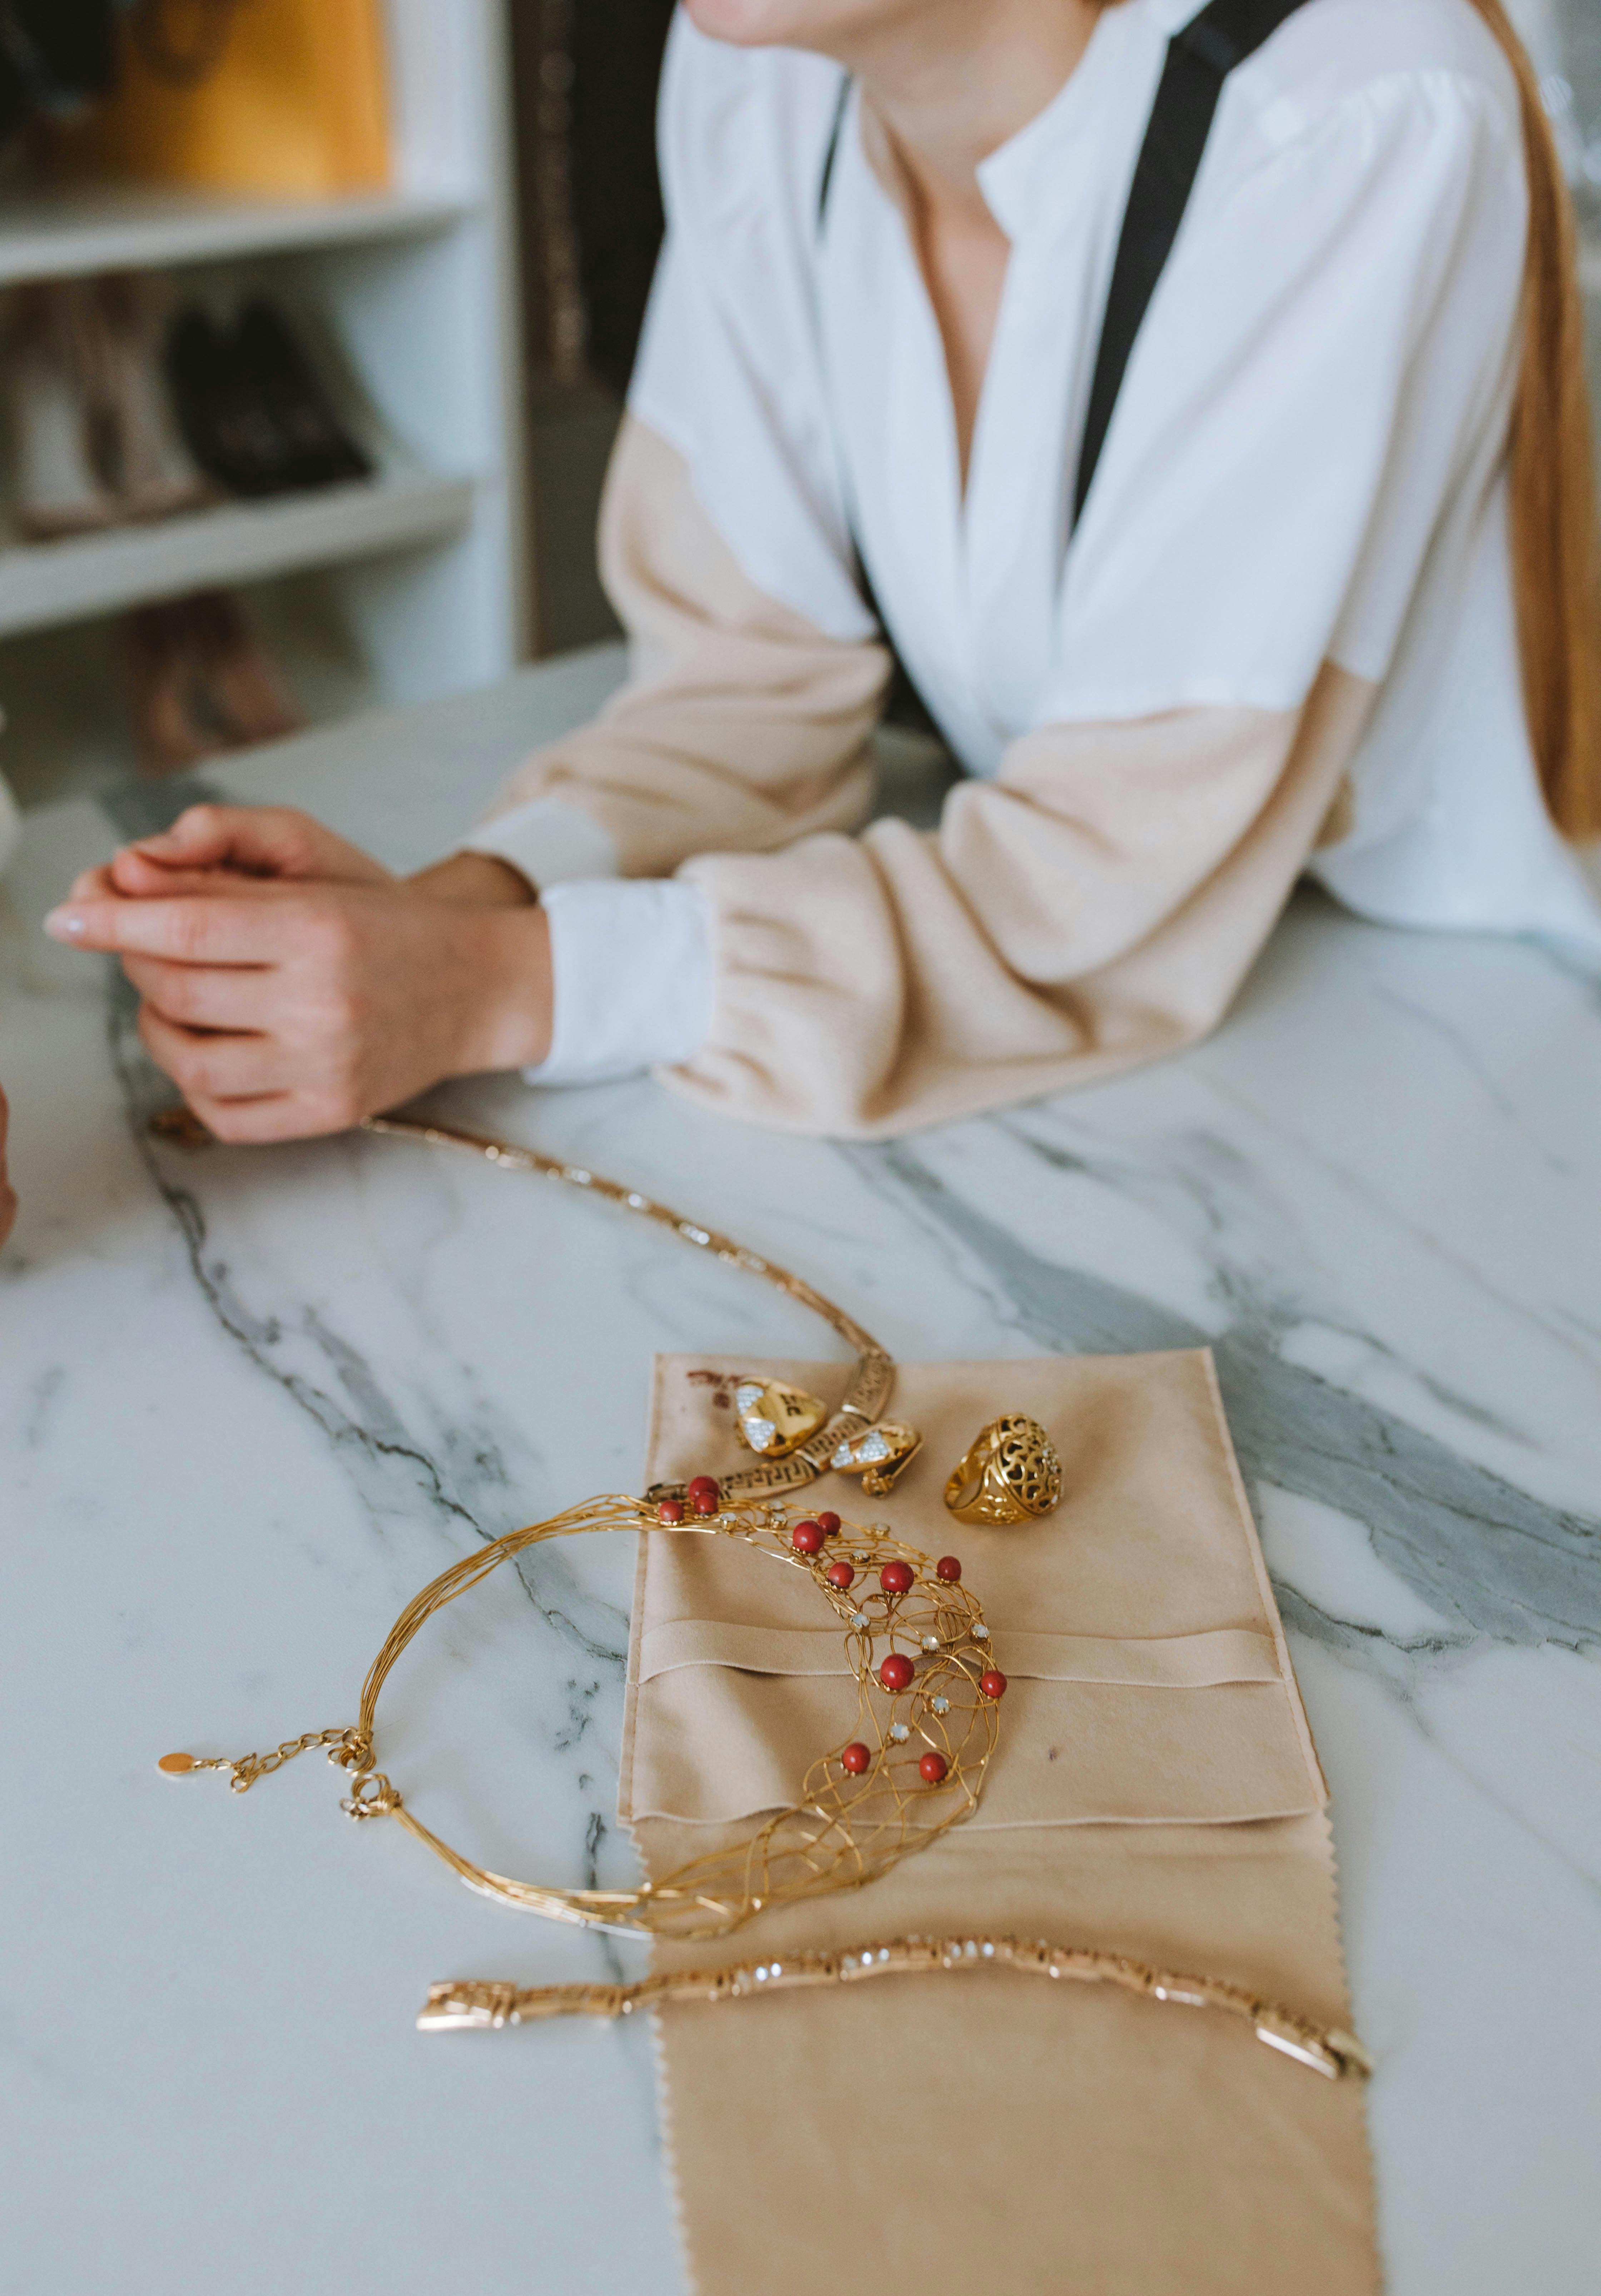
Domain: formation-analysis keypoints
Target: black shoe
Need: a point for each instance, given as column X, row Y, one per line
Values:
column 317, row 443
column 221, row 411
column 64, row 50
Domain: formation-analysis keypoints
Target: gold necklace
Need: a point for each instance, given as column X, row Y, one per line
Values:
column 849, row 1440
column 927, row 1723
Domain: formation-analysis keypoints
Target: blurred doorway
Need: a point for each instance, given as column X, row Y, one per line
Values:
column 587, row 73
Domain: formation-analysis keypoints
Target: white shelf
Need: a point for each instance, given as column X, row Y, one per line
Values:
column 42, row 585
column 62, row 234
column 415, row 292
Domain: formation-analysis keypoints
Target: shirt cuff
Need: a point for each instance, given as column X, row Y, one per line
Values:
column 631, row 967
column 550, row 839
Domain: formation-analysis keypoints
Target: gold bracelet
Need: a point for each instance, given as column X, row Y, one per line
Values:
column 913, row 1767
column 479, row 2006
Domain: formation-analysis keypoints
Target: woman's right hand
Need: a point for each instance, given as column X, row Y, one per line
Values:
column 213, row 842
column 291, row 987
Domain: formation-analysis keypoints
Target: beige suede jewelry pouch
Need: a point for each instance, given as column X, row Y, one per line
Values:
column 1154, row 1793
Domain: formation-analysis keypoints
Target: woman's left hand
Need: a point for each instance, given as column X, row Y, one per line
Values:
column 289, row 1005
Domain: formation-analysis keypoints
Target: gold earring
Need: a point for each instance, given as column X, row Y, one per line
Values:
column 774, row 1420
column 1011, row 1474
column 879, row 1456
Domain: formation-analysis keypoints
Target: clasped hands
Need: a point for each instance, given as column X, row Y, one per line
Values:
column 290, row 986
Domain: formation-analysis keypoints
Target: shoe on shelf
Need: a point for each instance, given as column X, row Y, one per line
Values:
column 224, row 418
column 241, row 686
column 59, row 484
column 156, row 475
column 201, row 683
column 65, row 50
column 16, row 101
column 164, row 690
column 252, row 408
column 319, row 444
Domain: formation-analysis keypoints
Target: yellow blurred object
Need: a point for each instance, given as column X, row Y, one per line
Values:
column 297, row 104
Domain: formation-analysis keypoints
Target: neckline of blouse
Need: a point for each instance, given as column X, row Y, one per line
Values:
column 1042, row 176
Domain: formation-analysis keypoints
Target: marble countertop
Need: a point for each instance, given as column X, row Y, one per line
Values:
column 252, row 1400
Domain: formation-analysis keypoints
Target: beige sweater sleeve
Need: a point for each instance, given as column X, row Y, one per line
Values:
column 741, row 728
column 1096, row 906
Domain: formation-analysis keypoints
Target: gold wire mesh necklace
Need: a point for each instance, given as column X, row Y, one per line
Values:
column 927, row 1702
column 927, row 1722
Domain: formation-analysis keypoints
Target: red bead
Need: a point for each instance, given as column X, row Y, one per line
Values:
column 857, row 1758
column 931, row 1769
column 896, row 1577
column 806, row 1538
column 897, row 1671
column 829, row 1525
column 706, row 1502
column 949, row 1568
column 700, row 1487
column 671, row 1510
column 840, row 1575
column 994, row 1684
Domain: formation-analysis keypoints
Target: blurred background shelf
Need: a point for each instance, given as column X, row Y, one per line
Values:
column 405, row 588
column 71, row 232
column 42, row 585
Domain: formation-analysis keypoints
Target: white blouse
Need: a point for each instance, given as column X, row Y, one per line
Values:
column 1307, row 464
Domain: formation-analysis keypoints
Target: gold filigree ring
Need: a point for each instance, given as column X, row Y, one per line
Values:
column 1010, row 1474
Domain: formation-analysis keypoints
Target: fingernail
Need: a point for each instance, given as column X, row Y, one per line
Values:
column 65, row 924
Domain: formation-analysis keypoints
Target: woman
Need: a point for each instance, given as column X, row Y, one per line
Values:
column 1327, row 597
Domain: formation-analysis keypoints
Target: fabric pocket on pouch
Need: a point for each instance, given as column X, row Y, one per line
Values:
column 1191, row 1729
column 1149, row 1679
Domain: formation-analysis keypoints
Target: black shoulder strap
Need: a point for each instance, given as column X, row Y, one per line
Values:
column 832, row 154
column 1200, row 59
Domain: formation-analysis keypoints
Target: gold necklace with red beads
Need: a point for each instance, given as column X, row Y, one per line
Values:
column 914, row 1764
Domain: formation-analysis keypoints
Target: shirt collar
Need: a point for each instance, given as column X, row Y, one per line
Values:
column 1044, row 171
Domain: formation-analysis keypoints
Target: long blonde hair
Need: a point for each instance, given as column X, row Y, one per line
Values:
column 1556, row 528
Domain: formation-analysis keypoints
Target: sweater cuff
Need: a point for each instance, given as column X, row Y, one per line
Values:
column 631, row 969
column 550, row 841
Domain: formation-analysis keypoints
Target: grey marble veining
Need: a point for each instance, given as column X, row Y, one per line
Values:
column 250, row 1403
column 1489, row 1557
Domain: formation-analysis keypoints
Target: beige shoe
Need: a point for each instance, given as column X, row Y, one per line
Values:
column 170, row 733
column 58, row 489
column 152, row 471
column 201, row 683
column 243, row 686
